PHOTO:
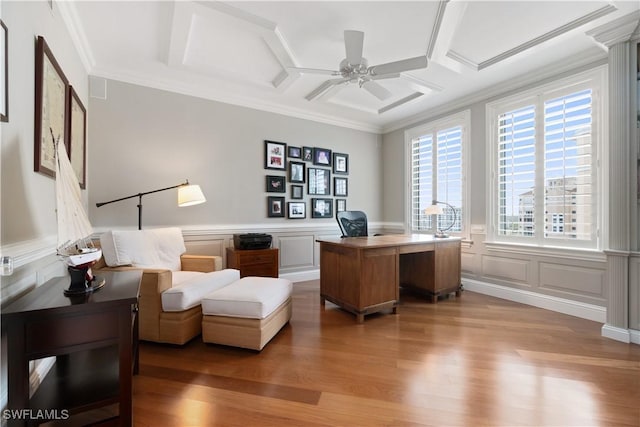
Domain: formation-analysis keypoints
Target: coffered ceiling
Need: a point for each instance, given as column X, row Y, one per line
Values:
column 246, row 52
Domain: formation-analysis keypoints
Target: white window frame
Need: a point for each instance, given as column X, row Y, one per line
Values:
column 595, row 79
column 462, row 119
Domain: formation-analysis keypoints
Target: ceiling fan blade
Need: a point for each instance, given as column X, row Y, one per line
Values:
column 376, row 90
column 399, row 66
column 385, row 76
column 315, row 71
column 320, row 90
column 353, row 42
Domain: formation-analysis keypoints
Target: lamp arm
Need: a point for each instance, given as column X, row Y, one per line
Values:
column 142, row 194
column 455, row 216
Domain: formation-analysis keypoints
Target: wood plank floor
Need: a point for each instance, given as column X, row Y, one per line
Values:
column 469, row 361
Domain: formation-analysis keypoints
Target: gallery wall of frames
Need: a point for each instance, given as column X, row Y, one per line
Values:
column 296, row 171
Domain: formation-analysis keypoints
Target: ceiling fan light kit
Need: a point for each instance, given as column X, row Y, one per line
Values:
column 355, row 69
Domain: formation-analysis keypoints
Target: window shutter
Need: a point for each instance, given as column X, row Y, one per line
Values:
column 421, row 181
column 449, row 181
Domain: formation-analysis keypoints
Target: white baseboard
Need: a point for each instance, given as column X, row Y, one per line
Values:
column 560, row 305
column 635, row 336
column 302, row 276
column 615, row 333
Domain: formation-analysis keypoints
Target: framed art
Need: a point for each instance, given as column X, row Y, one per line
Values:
column 275, row 156
column 275, row 207
column 77, row 136
column 319, row 181
column 341, row 205
column 307, row 154
column 294, row 152
column 297, row 171
column 296, row 210
column 321, row 157
column 340, row 187
column 340, row 163
column 4, row 72
column 296, row 191
column 51, row 108
column 275, row 184
column 321, row 208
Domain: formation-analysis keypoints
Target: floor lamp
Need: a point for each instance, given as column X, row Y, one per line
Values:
column 188, row 195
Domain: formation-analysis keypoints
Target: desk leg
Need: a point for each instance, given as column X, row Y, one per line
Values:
column 360, row 317
column 17, row 373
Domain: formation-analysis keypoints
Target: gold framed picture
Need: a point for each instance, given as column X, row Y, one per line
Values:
column 77, row 136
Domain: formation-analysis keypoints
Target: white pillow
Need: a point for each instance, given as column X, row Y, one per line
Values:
column 155, row 248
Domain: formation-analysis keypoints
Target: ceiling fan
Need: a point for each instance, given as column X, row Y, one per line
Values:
column 355, row 69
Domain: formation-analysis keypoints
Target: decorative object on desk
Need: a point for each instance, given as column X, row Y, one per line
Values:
column 276, row 184
column 74, row 229
column 318, row 182
column 321, row 156
column 296, row 210
column 297, row 171
column 4, row 72
column 307, row 154
column 188, row 195
column 340, row 187
column 321, row 208
column 294, row 152
column 7, row 266
column 297, row 191
column 275, row 155
column 340, row 163
column 77, row 126
column 275, row 207
column 341, row 205
column 51, row 98
column 434, row 209
column 353, row 223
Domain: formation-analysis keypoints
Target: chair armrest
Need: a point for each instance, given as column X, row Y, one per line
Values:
column 203, row 263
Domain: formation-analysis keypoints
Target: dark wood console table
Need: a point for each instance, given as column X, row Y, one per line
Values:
column 94, row 339
column 363, row 274
column 254, row 262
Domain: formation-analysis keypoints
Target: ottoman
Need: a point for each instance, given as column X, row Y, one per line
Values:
column 247, row 313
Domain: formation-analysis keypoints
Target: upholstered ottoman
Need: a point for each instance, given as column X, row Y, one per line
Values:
column 246, row 313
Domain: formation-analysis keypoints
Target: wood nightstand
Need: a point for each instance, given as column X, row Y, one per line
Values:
column 254, row 262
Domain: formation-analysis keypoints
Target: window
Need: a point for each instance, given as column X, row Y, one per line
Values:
column 544, row 163
column 436, row 172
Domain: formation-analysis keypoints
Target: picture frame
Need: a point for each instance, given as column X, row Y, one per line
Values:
column 340, row 186
column 77, row 136
column 307, row 154
column 276, row 184
column 321, row 156
column 294, row 152
column 297, row 191
column 318, row 182
column 341, row 205
column 297, row 171
column 275, row 207
column 340, row 163
column 321, row 208
column 51, row 99
column 4, row 72
column 296, row 210
column 275, row 155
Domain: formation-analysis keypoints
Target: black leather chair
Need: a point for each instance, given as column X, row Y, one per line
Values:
column 352, row 223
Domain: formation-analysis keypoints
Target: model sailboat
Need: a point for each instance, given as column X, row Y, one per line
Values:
column 74, row 229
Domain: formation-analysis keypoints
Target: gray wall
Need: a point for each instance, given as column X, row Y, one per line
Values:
column 143, row 139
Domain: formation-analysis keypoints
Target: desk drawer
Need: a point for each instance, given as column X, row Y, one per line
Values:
column 255, row 258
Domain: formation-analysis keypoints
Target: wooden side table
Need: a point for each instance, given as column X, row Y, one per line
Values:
column 94, row 339
column 254, row 262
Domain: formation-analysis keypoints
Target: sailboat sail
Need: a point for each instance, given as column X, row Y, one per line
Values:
column 74, row 228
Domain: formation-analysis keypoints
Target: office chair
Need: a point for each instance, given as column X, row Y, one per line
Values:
column 352, row 223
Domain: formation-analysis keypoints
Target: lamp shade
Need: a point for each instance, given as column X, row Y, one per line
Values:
column 434, row 209
column 189, row 195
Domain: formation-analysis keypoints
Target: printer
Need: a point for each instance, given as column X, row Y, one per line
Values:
column 252, row 241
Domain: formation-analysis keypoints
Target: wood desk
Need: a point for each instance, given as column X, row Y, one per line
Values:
column 363, row 274
column 94, row 339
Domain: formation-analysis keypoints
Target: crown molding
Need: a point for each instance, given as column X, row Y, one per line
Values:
column 616, row 31
column 70, row 17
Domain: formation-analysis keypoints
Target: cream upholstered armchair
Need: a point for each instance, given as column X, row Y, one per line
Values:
column 173, row 282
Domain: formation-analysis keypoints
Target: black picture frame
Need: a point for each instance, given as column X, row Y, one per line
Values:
column 321, row 208
column 297, row 192
column 340, row 186
column 275, row 184
column 275, row 207
column 275, row 155
column 340, row 163
column 341, row 205
column 296, row 210
column 307, row 154
column 294, row 152
column 318, row 181
column 321, row 157
column 4, row 72
column 297, row 171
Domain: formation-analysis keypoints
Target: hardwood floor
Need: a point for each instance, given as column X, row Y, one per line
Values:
column 469, row 361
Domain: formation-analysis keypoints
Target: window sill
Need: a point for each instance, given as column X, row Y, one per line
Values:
column 553, row 252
